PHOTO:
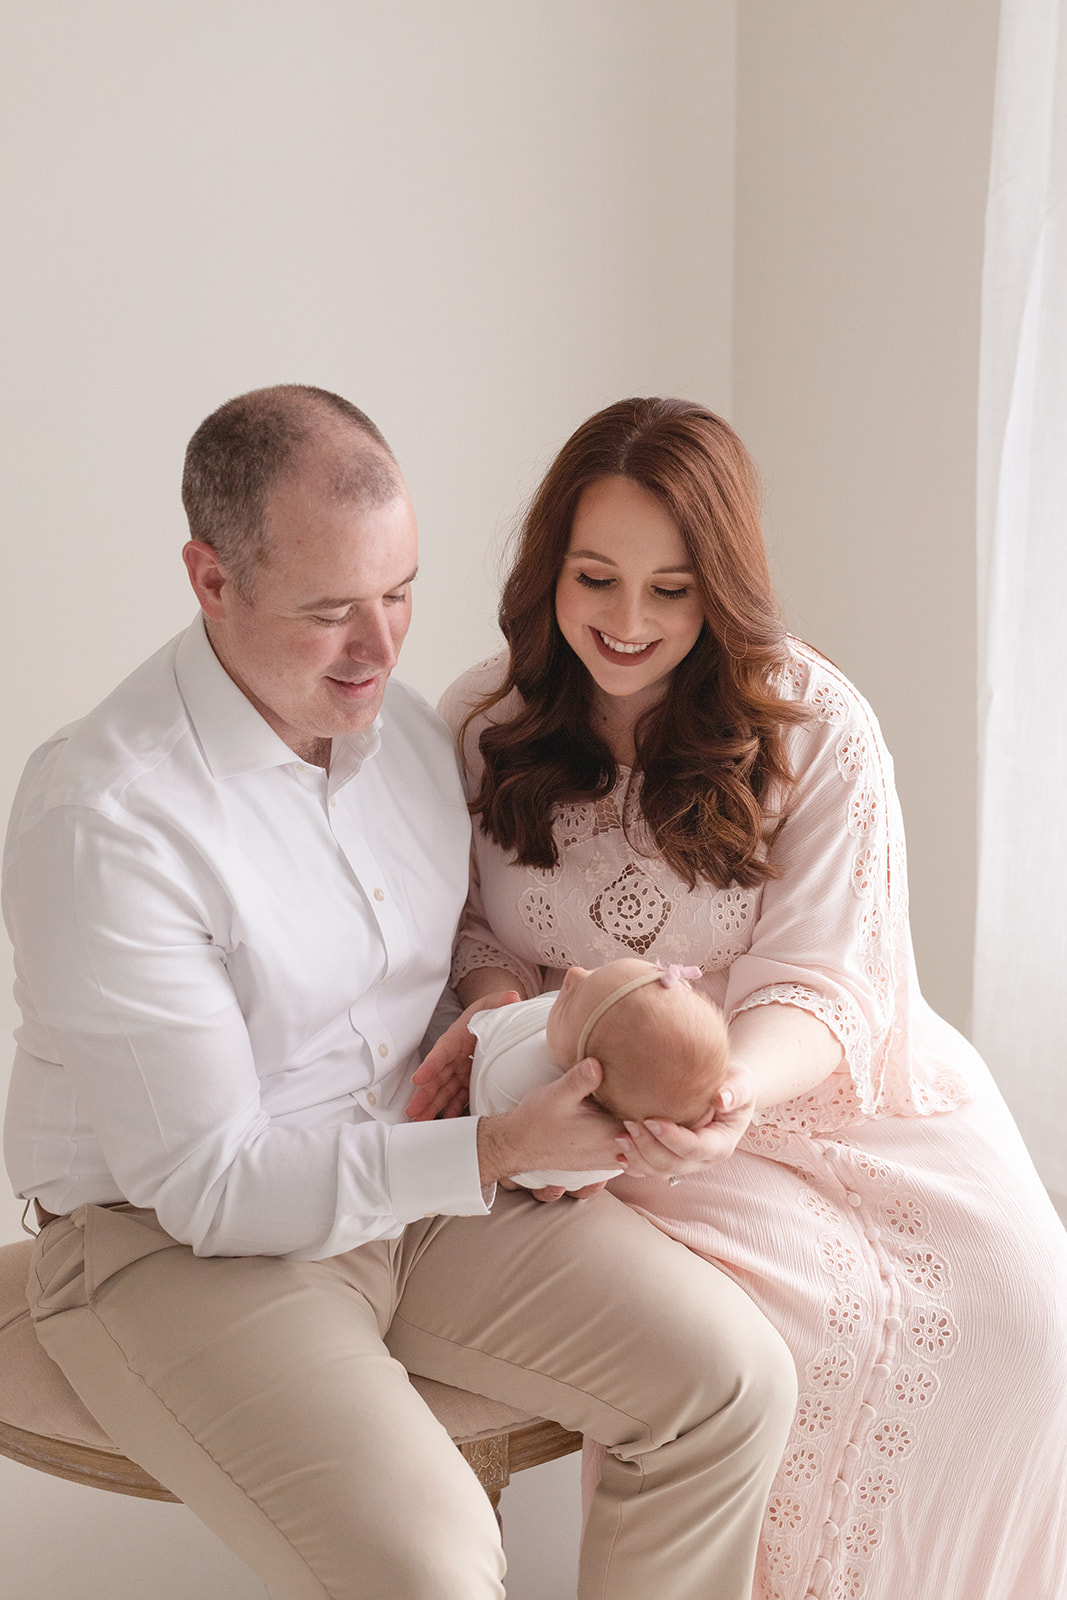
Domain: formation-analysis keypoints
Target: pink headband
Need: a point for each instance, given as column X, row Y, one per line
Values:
column 668, row 976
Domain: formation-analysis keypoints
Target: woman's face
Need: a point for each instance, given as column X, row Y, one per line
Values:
column 625, row 598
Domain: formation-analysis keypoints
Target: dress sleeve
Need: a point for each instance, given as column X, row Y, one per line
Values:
column 832, row 935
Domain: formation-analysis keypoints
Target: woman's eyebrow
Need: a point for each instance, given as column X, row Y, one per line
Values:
column 594, row 555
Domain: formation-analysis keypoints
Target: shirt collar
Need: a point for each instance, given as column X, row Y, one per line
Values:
column 234, row 737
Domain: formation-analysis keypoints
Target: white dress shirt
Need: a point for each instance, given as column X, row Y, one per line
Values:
column 226, row 962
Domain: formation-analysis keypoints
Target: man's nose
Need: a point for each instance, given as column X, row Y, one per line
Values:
column 371, row 640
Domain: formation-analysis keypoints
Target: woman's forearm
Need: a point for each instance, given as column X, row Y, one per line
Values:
column 486, row 980
column 786, row 1050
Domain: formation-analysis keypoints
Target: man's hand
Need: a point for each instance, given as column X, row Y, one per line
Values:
column 442, row 1081
column 554, row 1192
column 661, row 1149
column 555, row 1127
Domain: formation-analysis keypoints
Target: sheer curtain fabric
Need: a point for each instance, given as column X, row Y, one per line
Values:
column 1020, row 1012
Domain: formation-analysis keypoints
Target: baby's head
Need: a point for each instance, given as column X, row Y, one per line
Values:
column 661, row 1045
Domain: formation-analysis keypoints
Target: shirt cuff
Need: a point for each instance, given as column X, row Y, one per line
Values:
column 433, row 1169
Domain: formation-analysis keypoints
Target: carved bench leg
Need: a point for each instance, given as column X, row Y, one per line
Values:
column 489, row 1460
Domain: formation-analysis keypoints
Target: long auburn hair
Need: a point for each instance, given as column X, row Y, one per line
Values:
column 711, row 755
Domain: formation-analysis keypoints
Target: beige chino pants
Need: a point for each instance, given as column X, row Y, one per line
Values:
column 271, row 1396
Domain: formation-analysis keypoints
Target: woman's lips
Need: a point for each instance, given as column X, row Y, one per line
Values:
column 621, row 658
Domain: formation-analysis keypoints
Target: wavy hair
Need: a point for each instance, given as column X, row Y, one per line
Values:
column 711, row 756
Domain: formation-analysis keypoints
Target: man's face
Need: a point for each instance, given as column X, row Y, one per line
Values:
column 314, row 645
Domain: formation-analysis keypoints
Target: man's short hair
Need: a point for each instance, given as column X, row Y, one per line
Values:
column 238, row 454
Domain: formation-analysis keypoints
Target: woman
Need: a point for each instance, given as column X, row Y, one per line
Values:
column 656, row 769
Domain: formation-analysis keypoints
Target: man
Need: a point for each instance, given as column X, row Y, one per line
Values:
column 232, row 890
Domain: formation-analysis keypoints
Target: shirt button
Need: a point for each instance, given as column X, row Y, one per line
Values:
column 379, row 894
column 383, row 1050
column 333, row 800
column 854, row 1199
column 372, row 1099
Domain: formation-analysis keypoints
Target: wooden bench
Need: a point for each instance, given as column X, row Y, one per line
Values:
column 43, row 1424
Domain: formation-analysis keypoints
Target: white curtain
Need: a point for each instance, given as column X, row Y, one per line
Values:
column 1020, row 1012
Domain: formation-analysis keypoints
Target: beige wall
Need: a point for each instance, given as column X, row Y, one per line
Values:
column 862, row 164
column 481, row 222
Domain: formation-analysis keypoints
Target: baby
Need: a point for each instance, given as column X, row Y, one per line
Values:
column 661, row 1045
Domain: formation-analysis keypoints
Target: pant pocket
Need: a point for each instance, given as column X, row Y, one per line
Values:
column 76, row 1255
column 57, row 1267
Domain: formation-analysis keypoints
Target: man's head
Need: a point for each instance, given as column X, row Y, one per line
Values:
column 662, row 1046
column 302, row 554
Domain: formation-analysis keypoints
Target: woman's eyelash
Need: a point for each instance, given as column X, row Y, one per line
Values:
column 602, row 583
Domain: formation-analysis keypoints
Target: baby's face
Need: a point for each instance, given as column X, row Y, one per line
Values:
column 580, row 993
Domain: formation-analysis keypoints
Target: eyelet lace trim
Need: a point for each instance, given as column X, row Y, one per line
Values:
column 855, row 1429
column 473, row 955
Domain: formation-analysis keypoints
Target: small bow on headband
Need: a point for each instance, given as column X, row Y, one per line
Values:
column 669, row 976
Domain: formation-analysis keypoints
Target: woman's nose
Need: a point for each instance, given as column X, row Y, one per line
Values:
column 628, row 616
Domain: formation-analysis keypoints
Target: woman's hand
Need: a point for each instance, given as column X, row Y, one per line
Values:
column 442, row 1081
column 661, row 1149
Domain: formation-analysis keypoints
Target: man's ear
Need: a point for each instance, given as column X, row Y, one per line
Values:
column 207, row 576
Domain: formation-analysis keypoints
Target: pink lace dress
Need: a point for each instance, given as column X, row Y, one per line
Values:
column 890, row 1224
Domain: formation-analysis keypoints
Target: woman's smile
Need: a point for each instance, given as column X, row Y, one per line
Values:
column 616, row 647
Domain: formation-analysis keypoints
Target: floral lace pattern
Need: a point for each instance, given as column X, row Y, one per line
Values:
column 476, row 954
